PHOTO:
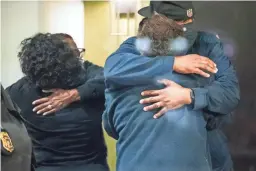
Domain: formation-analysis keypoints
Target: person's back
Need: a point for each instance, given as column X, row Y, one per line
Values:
column 72, row 138
column 176, row 141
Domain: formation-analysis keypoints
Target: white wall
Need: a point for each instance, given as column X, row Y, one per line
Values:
column 64, row 17
column 22, row 19
column 18, row 20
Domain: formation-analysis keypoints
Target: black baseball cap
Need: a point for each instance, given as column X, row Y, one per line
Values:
column 176, row 10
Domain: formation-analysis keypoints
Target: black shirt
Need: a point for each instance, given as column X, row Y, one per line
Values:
column 70, row 136
column 16, row 146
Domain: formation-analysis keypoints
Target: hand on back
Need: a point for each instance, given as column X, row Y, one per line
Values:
column 194, row 64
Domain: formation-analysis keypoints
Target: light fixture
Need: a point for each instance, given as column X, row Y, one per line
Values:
column 126, row 6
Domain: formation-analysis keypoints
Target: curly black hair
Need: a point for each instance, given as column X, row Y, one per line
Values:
column 64, row 36
column 69, row 39
column 50, row 63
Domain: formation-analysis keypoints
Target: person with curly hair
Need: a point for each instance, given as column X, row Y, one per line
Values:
column 49, row 63
column 71, row 138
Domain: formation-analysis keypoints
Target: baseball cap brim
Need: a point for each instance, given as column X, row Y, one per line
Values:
column 145, row 12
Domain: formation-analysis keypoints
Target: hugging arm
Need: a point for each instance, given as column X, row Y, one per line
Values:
column 92, row 88
column 222, row 96
column 126, row 67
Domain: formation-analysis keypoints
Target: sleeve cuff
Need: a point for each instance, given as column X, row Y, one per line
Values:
column 200, row 98
column 168, row 63
column 86, row 92
column 82, row 93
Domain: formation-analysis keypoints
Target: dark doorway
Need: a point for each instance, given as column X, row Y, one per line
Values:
column 234, row 23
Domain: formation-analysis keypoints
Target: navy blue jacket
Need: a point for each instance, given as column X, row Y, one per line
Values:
column 169, row 143
column 73, row 135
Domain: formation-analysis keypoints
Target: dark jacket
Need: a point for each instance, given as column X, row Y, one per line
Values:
column 72, row 135
column 180, row 135
column 16, row 146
